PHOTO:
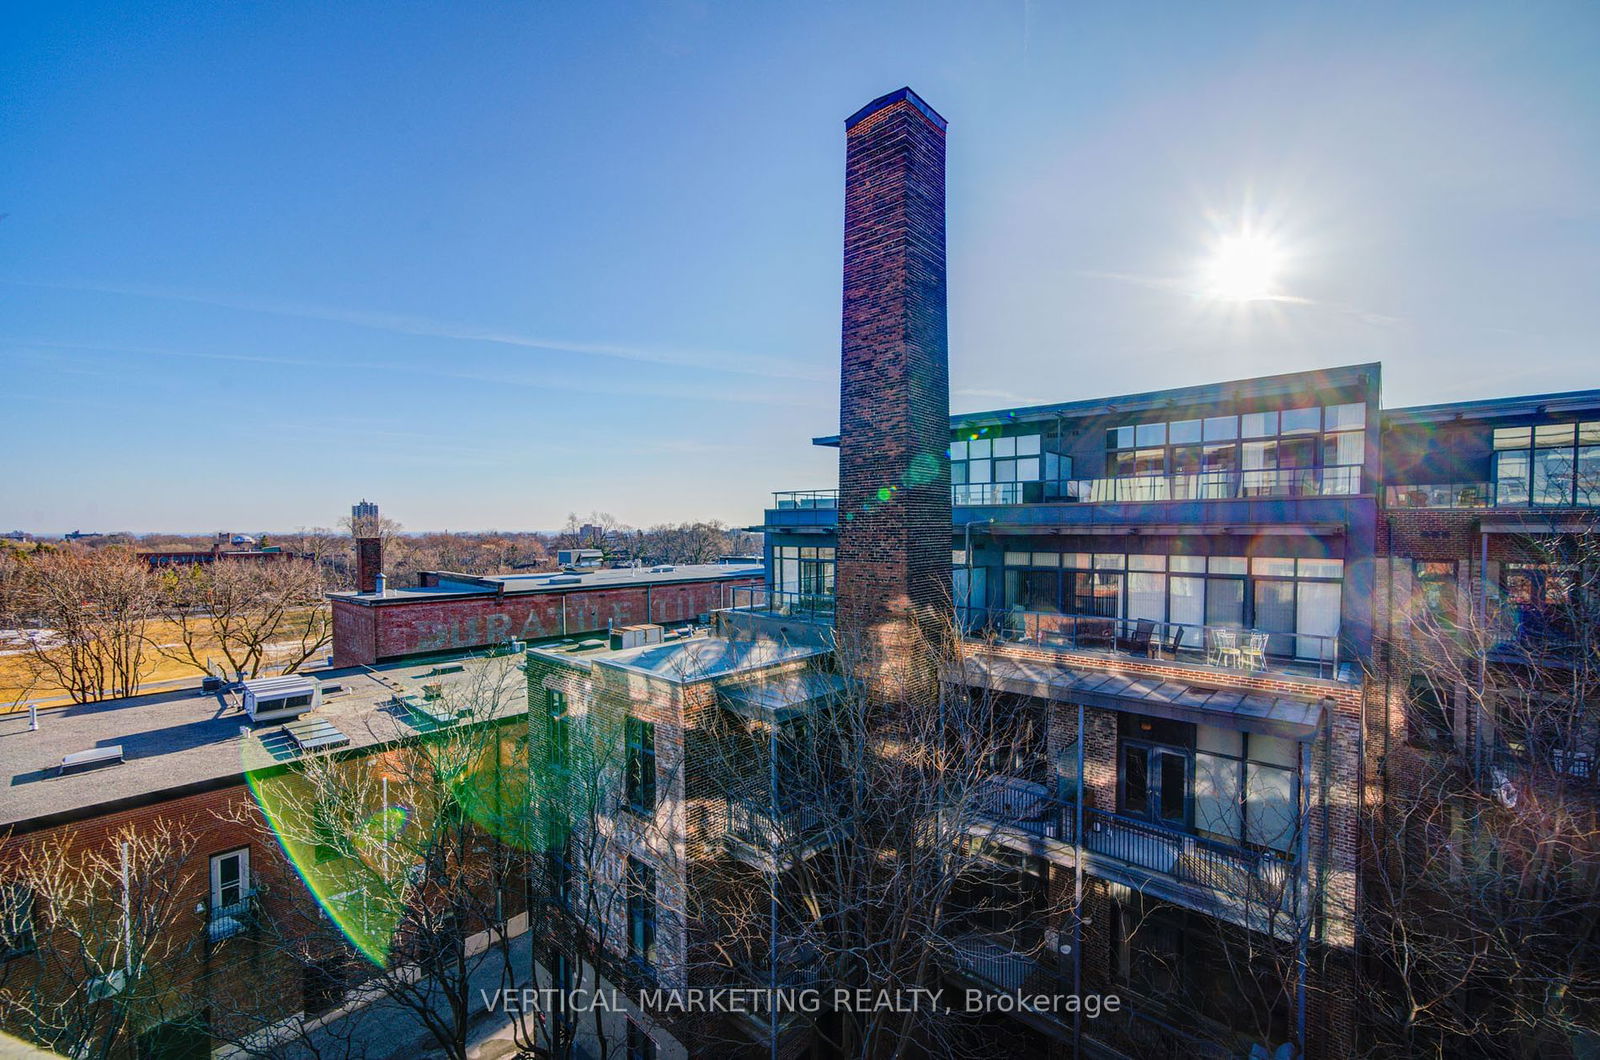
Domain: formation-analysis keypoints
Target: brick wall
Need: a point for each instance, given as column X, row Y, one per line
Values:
column 387, row 631
column 894, row 403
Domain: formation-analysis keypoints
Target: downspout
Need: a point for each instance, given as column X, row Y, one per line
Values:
column 1077, row 898
column 1483, row 650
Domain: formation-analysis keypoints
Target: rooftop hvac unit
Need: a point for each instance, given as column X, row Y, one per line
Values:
column 281, row 698
column 635, row 636
column 663, row 568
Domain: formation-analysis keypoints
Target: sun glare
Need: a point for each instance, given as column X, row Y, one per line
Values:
column 1243, row 268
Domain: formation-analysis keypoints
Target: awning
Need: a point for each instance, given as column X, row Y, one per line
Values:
column 778, row 699
column 1270, row 713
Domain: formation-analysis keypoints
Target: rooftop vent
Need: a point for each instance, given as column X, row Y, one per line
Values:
column 566, row 579
column 315, row 734
column 663, row 568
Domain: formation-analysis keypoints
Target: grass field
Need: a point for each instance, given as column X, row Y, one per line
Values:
column 15, row 692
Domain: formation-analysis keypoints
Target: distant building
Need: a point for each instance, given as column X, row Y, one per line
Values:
column 79, row 535
column 18, row 535
column 365, row 509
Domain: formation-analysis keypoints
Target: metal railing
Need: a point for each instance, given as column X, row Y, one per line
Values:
column 1440, row 495
column 1217, row 485
column 228, row 921
column 1227, row 647
column 810, row 606
column 1261, row 877
column 787, row 500
column 756, row 824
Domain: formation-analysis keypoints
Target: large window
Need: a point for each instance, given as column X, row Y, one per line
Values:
column 806, row 571
column 1308, row 451
column 641, row 739
column 641, row 892
column 1297, row 601
column 1551, row 465
column 558, row 728
column 1428, row 721
column 16, row 921
column 1246, row 788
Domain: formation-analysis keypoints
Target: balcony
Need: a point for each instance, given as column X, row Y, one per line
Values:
column 1139, row 852
column 773, row 839
column 1223, row 647
column 1440, row 495
column 232, row 920
column 792, row 500
column 808, row 607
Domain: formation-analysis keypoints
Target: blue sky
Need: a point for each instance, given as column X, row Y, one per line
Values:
column 489, row 263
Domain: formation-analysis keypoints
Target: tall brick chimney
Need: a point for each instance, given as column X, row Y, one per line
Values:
column 893, row 575
column 369, row 563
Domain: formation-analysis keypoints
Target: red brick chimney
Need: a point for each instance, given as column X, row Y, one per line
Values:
column 893, row 576
column 369, row 563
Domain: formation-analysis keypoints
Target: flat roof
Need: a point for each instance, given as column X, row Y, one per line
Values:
column 172, row 741
column 1232, row 390
column 1566, row 402
column 467, row 585
column 1271, row 713
column 691, row 659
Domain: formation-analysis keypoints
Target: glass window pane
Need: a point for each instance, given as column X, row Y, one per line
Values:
column 1041, row 590
column 1185, row 459
column 1297, row 452
column 958, row 473
column 1553, row 434
column 1186, row 605
column 958, row 450
column 1018, row 559
column 1552, row 476
column 1227, row 565
column 1273, row 750
column 1005, row 471
column 1316, row 620
column 1151, row 434
column 1339, row 450
column 1272, row 567
column 1119, row 438
column 1511, row 477
column 1183, row 432
column 1275, row 613
column 1589, row 433
column 1259, row 456
column 978, row 471
column 1149, row 461
column 1218, row 740
column 1258, row 425
column 1187, row 563
column 1221, row 428
column 1512, row 437
column 1301, row 421
column 978, row 449
column 1217, row 809
column 1221, row 458
column 1225, row 602
column 1028, row 469
column 1135, row 784
column 1147, row 596
column 1109, row 560
column 1076, row 560
column 1338, row 417
column 1321, row 568
column 1589, row 475
column 1028, row 445
column 1005, row 447
column 1047, row 559
column 1269, row 807
column 1147, row 563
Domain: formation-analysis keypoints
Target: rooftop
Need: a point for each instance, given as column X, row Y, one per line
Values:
column 692, row 659
column 451, row 584
column 172, row 741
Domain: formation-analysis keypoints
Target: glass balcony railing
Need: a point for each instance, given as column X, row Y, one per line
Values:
column 813, row 606
column 1440, row 495
column 1216, row 485
column 790, row 500
column 1223, row 646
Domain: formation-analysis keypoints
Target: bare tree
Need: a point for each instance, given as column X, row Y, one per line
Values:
column 95, row 957
column 246, row 614
column 88, row 612
column 1482, row 857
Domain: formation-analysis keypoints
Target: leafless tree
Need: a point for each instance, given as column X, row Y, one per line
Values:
column 1482, row 856
column 88, row 612
column 90, row 924
column 244, row 614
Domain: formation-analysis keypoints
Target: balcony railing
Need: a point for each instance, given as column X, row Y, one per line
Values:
column 228, row 921
column 775, row 834
column 788, row 500
column 813, row 607
column 1216, row 485
column 1440, row 495
column 1263, row 878
column 1226, row 647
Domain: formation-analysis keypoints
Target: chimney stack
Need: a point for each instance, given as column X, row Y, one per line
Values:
column 365, row 528
column 893, row 573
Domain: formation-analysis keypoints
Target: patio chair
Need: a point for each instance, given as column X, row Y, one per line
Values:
column 1224, row 650
column 1169, row 650
column 1253, row 652
column 1138, row 642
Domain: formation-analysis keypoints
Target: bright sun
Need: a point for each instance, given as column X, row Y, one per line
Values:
column 1243, row 268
